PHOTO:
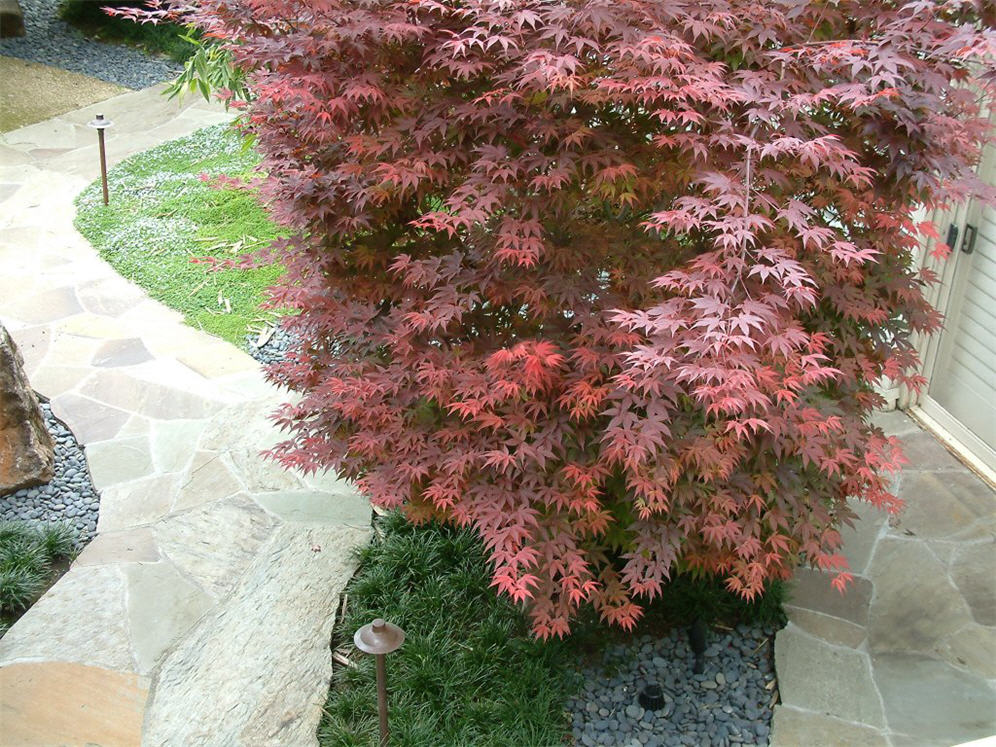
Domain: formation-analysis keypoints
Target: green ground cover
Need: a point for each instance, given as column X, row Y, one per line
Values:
column 32, row 557
column 468, row 673
column 162, row 216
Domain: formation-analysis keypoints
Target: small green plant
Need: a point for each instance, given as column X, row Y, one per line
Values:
column 29, row 553
column 208, row 70
column 469, row 671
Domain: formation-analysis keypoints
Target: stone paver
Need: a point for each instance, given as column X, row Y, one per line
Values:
column 907, row 657
column 201, row 612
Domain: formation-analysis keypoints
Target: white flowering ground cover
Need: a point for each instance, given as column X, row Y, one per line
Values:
column 163, row 215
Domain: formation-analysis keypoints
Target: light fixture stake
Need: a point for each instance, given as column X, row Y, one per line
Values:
column 100, row 124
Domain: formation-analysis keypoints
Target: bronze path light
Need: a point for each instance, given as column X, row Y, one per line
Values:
column 100, row 124
column 380, row 638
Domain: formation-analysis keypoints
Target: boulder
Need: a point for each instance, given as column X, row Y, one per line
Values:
column 11, row 19
column 27, row 453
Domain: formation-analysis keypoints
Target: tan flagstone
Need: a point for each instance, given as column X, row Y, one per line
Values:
column 136, row 545
column 939, row 504
column 215, row 559
column 972, row 648
column 816, row 676
column 163, row 605
column 109, row 296
column 128, row 504
column 210, row 479
column 921, row 449
column 80, row 619
column 859, row 541
column 931, row 700
column 793, row 727
column 69, row 349
column 213, row 361
column 811, row 589
column 33, row 343
column 96, row 326
column 916, row 605
column 174, row 443
column 89, row 421
column 313, row 507
column 46, row 306
column 831, row 629
column 153, row 400
column 973, row 570
column 124, row 352
column 278, row 622
column 51, row 381
column 61, row 703
column 122, row 460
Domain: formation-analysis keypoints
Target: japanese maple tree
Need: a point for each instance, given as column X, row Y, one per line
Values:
column 611, row 281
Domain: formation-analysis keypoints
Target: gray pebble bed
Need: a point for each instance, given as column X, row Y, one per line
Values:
column 51, row 41
column 69, row 497
column 730, row 703
column 271, row 351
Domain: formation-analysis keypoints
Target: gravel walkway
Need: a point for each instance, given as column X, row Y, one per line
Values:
column 69, row 497
column 51, row 41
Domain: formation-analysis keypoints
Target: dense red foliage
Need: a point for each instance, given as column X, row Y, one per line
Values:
column 610, row 281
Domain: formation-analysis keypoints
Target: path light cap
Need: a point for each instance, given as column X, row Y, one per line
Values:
column 100, row 123
column 379, row 637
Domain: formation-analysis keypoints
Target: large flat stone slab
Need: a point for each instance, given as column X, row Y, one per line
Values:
column 163, row 605
column 59, row 703
column 816, row 676
column 81, row 619
column 144, row 501
column 210, row 479
column 792, row 727
column 916, row 605
column 243, row 432
column 119, row 460
column 942, row 504
column 830, row 629
column 973, row 571
column 309, row 506
column 214, row 544
column 811, row 589
column 931, row 700
column 256, row 672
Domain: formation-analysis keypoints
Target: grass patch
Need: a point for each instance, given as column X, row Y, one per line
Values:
column 468, row 673
column 162, row 216
column 162, row 38
column 32, row 557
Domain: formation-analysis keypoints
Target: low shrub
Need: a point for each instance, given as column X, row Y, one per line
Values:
column 90, row 18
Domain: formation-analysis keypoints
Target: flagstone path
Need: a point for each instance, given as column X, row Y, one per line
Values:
column 201, row 612
column 907, row 657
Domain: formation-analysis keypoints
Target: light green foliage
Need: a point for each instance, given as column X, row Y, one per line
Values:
column 469, row 672
column 162, row 216
column 27, row 552
column 207, row 70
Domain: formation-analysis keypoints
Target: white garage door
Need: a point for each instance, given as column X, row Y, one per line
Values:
column 961, row 395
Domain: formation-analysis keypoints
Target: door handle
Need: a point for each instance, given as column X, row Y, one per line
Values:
column 968, row 240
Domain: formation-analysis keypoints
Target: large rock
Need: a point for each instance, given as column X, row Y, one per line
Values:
column 26, row 450
column 11, row 19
